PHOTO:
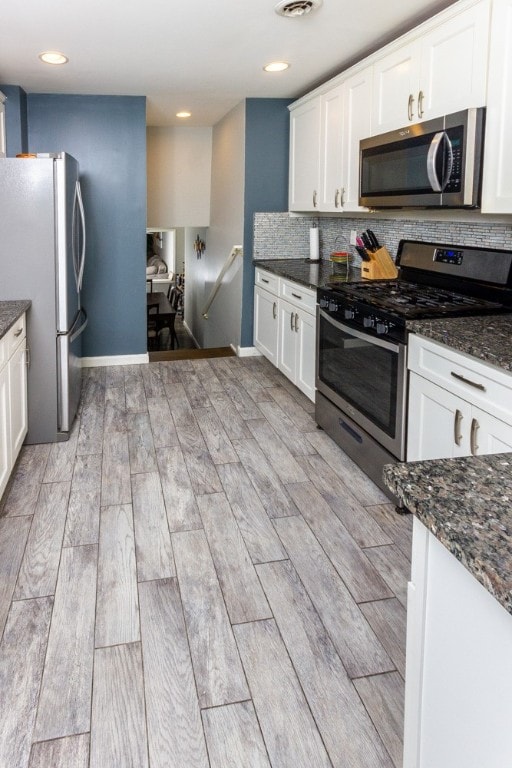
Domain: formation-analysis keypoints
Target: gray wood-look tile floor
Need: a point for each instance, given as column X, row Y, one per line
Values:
column 199, row 578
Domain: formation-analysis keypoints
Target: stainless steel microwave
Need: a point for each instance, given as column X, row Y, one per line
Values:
column 435, row 164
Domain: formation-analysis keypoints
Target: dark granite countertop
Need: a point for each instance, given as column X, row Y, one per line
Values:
column 467, row 504
column 10, row 311
column 489, row 338
column 312, row 274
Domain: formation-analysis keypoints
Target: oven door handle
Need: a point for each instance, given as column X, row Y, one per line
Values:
column 391, row 346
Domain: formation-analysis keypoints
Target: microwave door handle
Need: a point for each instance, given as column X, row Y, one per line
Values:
column 449, row 167
column 433, row 151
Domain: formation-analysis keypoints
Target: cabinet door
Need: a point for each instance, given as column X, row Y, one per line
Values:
column 265, row 324
column 488, row 434
column 287, row 347
column 306, row 341
column 454, row 64
column 439, row 423
column 395, row 85
column 497, row 178
column 357, row 121
column 331, row 159
column 5, row 429
column 442, row 71
column 18, row 393
column 304, row 182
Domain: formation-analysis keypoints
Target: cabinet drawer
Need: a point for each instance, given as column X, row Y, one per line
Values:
column 298, row 295
column 15, row 334
column 267, row 280
column 485, row 386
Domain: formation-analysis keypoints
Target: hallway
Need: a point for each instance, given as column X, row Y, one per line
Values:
column 199, row 578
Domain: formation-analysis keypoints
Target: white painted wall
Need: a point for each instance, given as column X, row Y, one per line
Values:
column 226, row 229
column 178, row 177
column 194, row 280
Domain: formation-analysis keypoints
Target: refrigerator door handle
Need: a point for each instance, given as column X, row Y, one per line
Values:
column 78, row 258
column 82, row 219
column 79, row 325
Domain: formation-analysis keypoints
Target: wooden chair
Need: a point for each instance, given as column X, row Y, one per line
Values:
column 152, row 326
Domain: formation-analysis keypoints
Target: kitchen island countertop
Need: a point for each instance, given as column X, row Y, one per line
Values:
column 467, row 504
column 10, row 311
column 312, row 274
column 489, row 338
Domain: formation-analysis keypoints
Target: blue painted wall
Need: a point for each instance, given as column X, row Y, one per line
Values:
column 107, row 135
column 15, row 119
column 267, row 131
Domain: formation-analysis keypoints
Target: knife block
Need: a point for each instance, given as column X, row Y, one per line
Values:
column 380, row 267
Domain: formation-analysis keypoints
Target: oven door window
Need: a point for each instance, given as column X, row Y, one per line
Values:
column 361, row 372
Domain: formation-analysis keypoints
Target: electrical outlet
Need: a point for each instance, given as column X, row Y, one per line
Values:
column 353, row 236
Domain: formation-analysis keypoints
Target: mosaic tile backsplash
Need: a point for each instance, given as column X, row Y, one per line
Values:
column 281, row 236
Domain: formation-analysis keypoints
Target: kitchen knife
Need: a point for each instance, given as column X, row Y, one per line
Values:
column 362, row 252
column 367, row 242
column 373, row 239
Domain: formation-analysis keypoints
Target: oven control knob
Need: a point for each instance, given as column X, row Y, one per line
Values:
column 349, row 314
column 324, row 303
column 333, row 307
column 368, row 321
column 382, row 327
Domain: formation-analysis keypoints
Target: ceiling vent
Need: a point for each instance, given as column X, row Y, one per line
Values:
column 294, row 8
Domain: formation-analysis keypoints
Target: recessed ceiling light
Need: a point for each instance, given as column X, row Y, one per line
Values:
column 183, row 114
column 276, row 66
column 295, row 8
column 53, row 57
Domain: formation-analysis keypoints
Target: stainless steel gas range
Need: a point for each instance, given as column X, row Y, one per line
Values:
column 361, row 374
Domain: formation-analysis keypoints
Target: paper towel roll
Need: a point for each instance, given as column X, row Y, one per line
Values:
column 314, row 244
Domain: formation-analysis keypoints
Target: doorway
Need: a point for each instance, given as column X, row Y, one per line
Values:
column 167, row 261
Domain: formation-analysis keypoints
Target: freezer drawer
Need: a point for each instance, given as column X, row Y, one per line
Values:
column 69, row 375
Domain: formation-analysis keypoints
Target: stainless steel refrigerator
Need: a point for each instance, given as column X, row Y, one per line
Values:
column 42, row 257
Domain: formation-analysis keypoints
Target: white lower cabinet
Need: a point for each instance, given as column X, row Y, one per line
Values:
column 285, row 327
column 442, row 425
column 13, row 398
column 458, row 706
column 265, row 323
column 297, row 330
column 458, row 406
column 5, row 436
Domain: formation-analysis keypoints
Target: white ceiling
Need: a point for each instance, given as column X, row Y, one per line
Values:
column 204, row 56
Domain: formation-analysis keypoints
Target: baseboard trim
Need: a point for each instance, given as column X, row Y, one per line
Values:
column 96, row 362
column 246, row 351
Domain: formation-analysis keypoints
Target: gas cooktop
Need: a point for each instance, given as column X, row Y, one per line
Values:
column 415, row 301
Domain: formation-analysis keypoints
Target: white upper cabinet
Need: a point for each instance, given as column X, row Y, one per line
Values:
column 438, row 69
column 304, row 179
column 356, row 126
column 327, row 180
column 497, row 178
column 331, row 149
